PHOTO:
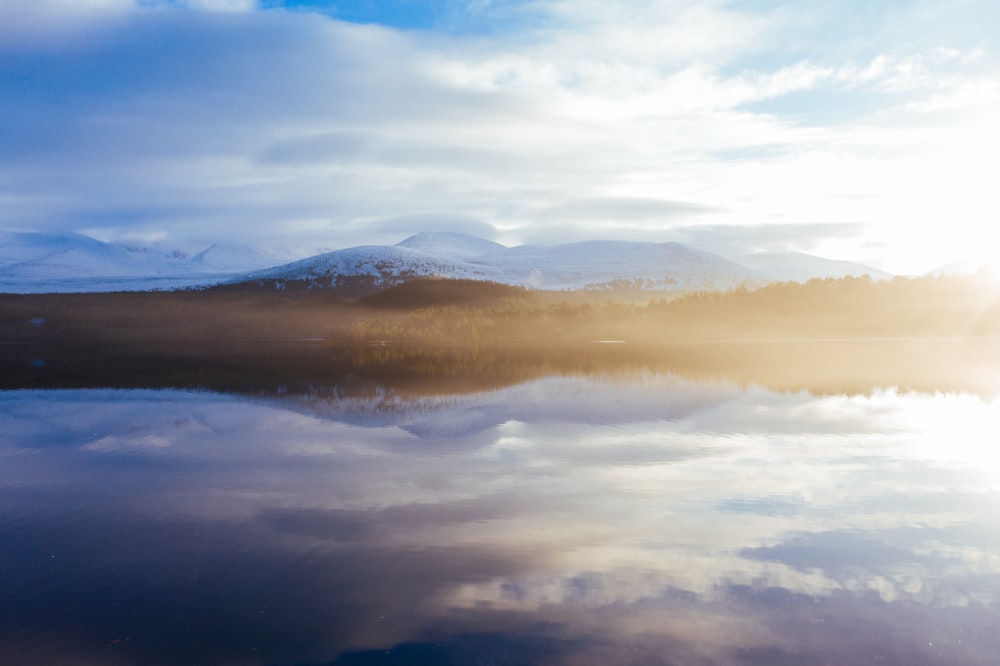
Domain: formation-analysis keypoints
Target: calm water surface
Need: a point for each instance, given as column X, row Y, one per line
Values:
column 629, row 518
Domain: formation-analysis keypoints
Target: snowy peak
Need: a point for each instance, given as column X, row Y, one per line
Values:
column 801, row 267
column 364, row 269
column 451, row 245
column 984, row 268
column 584, row 265
column 19, row 247
column 593, row 265
column 38, row 255
column 230, row 258
column 33, row 262
column 611, row 264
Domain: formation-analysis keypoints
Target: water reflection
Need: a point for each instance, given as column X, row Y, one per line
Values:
column 967, row 365
column 640, row 517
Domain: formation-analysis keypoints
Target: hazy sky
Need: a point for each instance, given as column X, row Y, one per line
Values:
column 847, row 128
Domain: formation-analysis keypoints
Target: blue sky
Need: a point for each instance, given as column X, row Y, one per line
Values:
column 403, row 14
column 849, row 129
column 444, row 15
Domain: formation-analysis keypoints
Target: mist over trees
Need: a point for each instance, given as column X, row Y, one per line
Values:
column 839, row 335
column 822, row 308
column 434, row 311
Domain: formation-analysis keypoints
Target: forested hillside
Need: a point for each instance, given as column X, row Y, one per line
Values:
column 831, row 308
column 442, row 311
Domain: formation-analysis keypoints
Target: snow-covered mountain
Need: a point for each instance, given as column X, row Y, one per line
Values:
column 800, row 267
column 372, row 265
column 985, row 268
column 37, row 262
column 597, row 264
column 44, row 256
column 584, row 265
column 451, row 245
column 231, row 258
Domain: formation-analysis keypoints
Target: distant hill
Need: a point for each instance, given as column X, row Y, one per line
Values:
column 593, row 265
column 987, row 269
column 451, row 245
column 801, row 267
column 50, row 256
column 232, row 258
column 35, row 262
column 32, row 262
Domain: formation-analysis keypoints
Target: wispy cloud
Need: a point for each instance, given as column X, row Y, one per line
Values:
column 190, row 119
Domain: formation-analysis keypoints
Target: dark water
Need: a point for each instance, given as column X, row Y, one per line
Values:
column 473, row 511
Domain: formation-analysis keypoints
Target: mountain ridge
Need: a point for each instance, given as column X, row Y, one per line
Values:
column 581, row 265
column 800, row 266
column 32, row 262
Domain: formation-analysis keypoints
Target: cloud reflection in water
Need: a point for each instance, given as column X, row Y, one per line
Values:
column 565, row 520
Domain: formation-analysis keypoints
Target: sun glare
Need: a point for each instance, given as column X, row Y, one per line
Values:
column 991, row 271
column 962, row 431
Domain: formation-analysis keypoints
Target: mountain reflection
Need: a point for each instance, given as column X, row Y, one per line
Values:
column 849, row 366
column 631, row 516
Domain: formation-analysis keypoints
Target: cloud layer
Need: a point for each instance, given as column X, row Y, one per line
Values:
column 864, row 133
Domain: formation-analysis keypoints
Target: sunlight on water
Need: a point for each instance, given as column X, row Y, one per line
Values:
column 957, row 430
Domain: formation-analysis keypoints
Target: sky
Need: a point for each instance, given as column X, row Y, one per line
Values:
column 850, row 129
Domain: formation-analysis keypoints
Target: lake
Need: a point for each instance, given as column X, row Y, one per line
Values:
column 610, row 506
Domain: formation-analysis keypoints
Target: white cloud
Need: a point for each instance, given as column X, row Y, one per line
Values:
column 476, row 6
column 40, row 23
column 953, row 95
column 268, row 122
column 655, row 34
